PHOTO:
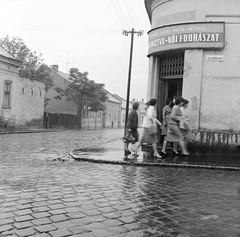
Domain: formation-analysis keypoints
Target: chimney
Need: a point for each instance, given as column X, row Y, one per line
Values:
column 55, row 67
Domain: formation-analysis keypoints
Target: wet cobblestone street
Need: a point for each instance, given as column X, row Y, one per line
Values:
column 40, row 196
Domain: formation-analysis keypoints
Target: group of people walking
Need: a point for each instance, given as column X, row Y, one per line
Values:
column 174, row 127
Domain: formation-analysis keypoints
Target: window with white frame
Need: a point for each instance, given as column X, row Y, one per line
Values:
column 7, row 94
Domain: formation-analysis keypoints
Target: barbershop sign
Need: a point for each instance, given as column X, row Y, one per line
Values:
column 207, row 35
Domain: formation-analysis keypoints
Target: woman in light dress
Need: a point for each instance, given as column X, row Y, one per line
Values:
column 151, row 120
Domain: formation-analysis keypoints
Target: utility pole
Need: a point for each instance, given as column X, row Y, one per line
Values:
column 132, row 32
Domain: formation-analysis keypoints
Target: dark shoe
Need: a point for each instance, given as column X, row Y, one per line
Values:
column 163, row 153
column 175, row 153
column 126, row 153
column 186, row 155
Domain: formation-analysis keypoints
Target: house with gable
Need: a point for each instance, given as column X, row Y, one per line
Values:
column 21, row 99
column 63, row 113
column 59, row 112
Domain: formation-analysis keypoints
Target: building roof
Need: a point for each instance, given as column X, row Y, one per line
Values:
column 62, row 74
column 66, row 76
column 112, row 98
column 119, row 97
column 10, row 59
column 4, row 53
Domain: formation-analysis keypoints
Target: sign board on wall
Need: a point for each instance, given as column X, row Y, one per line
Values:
column 205, row 35
column 214, row 58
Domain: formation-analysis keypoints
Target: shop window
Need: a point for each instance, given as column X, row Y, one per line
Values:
column 7, row 94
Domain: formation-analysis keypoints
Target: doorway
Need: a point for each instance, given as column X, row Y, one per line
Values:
column 173, row 87
column 171, row 68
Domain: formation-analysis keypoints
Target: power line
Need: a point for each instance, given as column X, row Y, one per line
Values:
column 139, row 44
column 122, row 13
column 118, row 13
column 129, row 13
column 136, row 20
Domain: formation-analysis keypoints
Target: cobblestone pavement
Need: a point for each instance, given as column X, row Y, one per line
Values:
column 42, row 197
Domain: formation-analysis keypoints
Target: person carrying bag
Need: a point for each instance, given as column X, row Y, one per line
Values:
column 150, row 127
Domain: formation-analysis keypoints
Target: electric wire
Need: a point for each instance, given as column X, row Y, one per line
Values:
column 129, row 14
column 139, row 46
column 118, row 14
column 122, row 13
column 139, row 43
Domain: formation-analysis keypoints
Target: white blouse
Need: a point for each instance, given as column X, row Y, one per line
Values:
column 150, row 118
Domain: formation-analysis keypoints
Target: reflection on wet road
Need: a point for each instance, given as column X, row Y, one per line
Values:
column 87, row 199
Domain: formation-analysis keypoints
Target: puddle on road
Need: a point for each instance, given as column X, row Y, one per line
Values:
column 117, row 154
column 89, row 150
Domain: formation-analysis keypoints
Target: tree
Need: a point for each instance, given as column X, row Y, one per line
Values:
column 83, row 91
column 32, row 66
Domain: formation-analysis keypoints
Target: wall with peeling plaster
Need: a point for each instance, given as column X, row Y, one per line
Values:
column 212, row 87
column 192, row 83
column 220, row 105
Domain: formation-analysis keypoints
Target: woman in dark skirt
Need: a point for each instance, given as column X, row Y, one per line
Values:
column 174, row 134
column 166, row 117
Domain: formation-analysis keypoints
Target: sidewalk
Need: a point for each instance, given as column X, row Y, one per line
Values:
column 113, row 153
column 28, row 130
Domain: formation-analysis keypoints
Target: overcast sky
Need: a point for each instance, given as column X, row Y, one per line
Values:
column 86, row 34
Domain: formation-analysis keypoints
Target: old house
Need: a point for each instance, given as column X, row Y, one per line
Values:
column 194, row 52
column 21, row 100
column 62, row 112
column 59, row 112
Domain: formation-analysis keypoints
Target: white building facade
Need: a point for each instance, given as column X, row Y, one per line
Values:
column 21, row 100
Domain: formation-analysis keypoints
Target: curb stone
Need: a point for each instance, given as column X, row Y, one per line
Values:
column 113, row 162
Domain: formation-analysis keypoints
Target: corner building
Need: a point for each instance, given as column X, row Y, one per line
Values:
column 194, row 51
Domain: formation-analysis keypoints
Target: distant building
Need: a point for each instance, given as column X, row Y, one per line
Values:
column 59, row 112
column 123, row 109
column 112, row 112
column 62, row 112
column 21, row 100
column 141, row 110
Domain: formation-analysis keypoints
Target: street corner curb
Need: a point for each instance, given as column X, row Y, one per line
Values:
column 164, row 164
